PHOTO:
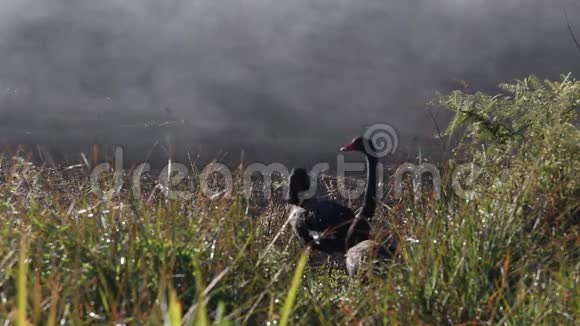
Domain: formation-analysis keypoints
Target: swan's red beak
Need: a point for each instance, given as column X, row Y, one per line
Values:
column 347, row 148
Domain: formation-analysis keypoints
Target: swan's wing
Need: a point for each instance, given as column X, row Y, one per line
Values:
column 332, row 214
column 327, row 221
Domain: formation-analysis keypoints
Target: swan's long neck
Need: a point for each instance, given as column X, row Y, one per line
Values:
column 370, row 200
column 293, row 198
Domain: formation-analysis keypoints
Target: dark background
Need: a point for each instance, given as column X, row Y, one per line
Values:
column 285, row 81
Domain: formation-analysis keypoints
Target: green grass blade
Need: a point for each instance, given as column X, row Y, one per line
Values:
column 174, row 308
column 291, row 298
column 21, row 289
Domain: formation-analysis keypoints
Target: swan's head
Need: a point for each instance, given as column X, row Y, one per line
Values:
column 359, row 144
column 299, row 181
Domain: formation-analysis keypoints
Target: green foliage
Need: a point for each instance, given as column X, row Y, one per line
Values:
column 525, row 112
column 507, row 255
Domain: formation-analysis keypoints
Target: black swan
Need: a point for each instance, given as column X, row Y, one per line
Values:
column 321, row 224
column 359, row 230
column 326, row 225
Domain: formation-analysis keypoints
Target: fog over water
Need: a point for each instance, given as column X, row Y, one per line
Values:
column 286, row 81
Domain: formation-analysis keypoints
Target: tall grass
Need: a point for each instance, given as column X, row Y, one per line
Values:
column 509, row 255
column 291, row 298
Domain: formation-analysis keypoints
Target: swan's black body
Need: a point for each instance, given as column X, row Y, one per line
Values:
column 327, row 225
column 321, row 224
